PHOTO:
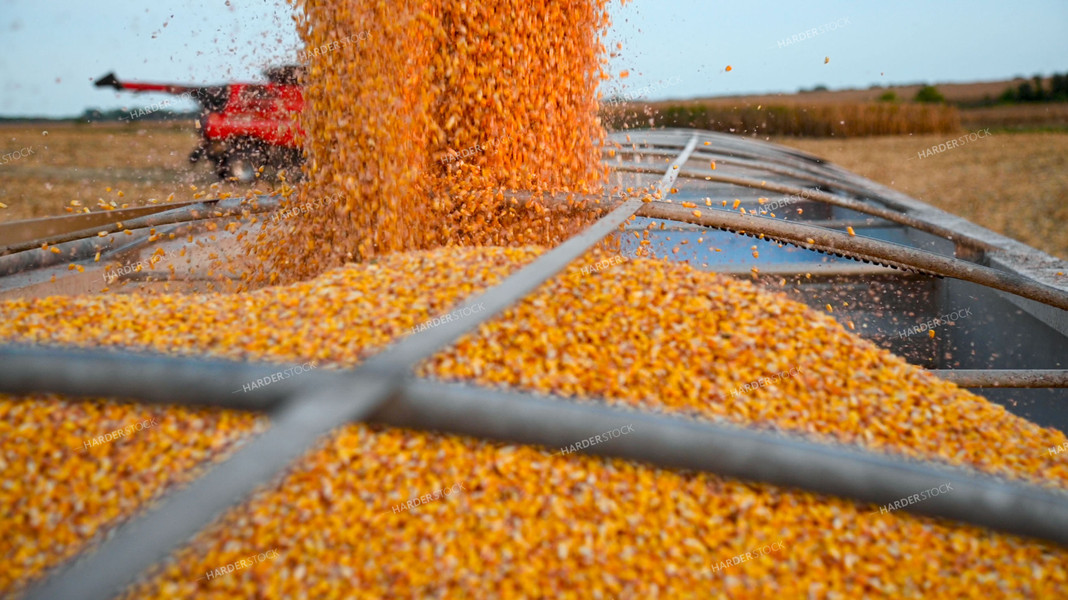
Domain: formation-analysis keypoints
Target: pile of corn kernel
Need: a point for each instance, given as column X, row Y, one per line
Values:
column 646, row 333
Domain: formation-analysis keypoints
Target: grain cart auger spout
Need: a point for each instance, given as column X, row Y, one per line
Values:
column 245, row 128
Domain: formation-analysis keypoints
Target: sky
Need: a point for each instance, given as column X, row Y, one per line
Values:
column 52, row 50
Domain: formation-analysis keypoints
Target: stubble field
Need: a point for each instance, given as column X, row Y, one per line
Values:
column 139, row 163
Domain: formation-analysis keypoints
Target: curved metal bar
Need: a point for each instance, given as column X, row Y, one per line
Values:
column 79, row 245
column 824, row 179
column 1006, row 378
column 887, row 214
column 38, row 230
column 187, row 212
column 817, row 175
column 861, row 248
column 728, row 143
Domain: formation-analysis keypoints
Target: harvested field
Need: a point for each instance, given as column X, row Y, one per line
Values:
column 145, row 161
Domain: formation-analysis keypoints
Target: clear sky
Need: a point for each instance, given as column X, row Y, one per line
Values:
column 51, row 50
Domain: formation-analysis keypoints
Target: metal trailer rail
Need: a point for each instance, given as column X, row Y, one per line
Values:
column 382, row 390
column 907, row 267
column 79, row 243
